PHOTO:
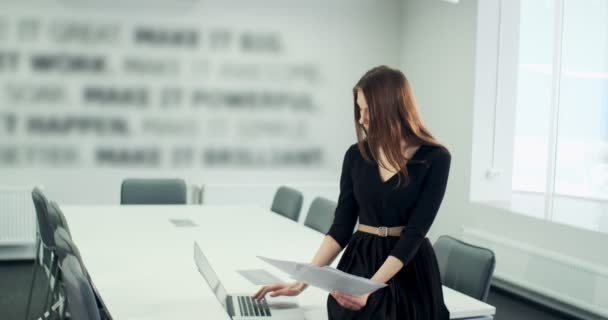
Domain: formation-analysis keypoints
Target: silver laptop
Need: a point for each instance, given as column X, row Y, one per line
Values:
column 243, row 306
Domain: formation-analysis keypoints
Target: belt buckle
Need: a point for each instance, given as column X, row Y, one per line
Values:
column 383, row 231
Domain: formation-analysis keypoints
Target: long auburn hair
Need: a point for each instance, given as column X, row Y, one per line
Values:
column 393, row 118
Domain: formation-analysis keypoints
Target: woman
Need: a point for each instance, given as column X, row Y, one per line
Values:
column 393, row 180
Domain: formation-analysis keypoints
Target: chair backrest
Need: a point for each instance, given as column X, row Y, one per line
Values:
column 45, row 225
column 464, row 267
column 57, row 217
column 320, row 214
column 66, row 247
column 287, row 202
column 153, row 191
column 81, row 301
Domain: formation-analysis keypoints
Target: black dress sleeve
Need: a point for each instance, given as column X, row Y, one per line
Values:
column 347, row 209
column 426, row 207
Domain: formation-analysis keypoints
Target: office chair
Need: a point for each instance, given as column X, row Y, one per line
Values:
column 153, row 191
column 320, row 214
column 66, row 247
column 44, row 242
column 57, row 217
column 80, row 300
column 464, row 267
column 287, row 202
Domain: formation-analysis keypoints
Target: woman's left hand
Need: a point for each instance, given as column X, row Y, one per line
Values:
column 351, row 302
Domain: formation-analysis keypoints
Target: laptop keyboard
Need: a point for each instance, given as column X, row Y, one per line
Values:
column 253, row 308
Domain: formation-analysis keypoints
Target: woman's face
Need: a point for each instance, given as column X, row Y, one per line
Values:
column 363, row 111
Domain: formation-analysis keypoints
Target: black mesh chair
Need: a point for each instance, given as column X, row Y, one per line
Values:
column 287, row 202
column 153, row 191
column 57, row 217
column 66, row 247
column 464, row 267
column 320, row 214
column 45, row 245
column 80, row 302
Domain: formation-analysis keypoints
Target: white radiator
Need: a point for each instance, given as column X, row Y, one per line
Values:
column 17, row 218
column 572, row 281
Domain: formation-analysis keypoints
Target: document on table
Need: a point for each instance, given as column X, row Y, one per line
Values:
column 326, row 278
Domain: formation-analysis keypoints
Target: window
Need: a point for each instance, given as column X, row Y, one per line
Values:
column 541, row 110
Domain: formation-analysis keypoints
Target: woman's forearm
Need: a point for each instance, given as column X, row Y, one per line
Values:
column 327, row 253
column 388, row 270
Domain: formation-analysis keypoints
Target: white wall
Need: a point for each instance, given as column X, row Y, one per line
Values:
column 339, row 38
column 439, row 59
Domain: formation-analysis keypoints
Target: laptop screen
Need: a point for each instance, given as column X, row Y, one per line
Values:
column 204, row 267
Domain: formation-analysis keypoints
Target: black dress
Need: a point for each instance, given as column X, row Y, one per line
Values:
column 415, row 292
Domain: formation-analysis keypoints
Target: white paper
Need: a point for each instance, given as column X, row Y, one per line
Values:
column 288, row 267
column 326, row 278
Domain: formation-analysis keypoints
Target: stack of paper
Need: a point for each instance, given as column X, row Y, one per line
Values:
column 326, row 278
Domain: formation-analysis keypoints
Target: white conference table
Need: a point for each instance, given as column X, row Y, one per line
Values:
column 143, row 266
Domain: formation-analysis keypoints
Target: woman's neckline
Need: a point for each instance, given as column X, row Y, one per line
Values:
column 413, row 157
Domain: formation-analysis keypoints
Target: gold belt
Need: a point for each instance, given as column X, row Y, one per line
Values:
column 381, row 231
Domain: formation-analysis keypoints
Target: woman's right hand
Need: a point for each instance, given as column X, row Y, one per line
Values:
column 281, row 289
